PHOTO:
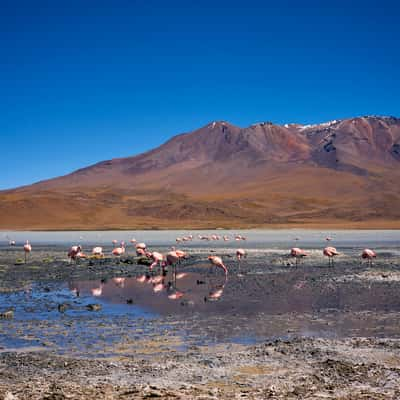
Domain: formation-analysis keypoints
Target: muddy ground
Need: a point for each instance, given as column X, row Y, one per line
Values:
column 278, row 331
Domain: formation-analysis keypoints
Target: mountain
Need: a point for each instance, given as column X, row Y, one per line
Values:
column 342, row 173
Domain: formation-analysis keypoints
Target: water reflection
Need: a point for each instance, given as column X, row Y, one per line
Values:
column 158, row 292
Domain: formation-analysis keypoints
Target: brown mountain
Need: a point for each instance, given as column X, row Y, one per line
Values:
column 341, row 173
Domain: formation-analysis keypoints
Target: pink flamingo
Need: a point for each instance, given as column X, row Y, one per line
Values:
column 298, row 253
column 368, row 255
column 27, row 249
column 217, row 261
column 140, row 249
column 119, row 251
column 157, row 258
column 114, row 242
column 240, row 253
column 172, row 258
column 73, row 252
column 330, row 252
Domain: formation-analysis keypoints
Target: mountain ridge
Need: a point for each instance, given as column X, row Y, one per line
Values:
column 341, row 172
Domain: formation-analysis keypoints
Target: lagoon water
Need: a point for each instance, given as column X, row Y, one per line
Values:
column 258, row 238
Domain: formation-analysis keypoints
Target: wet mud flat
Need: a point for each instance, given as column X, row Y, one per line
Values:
column 103, row 329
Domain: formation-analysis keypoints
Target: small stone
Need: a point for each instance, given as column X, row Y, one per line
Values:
column 7, row 314
column 93, row 307
column 62, row 307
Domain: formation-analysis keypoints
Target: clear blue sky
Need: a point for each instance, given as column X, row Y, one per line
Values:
column 83, row 81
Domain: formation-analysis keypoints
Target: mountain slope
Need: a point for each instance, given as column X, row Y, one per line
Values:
column 342, row 173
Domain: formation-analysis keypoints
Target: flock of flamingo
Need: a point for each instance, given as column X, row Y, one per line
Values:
column 174, row 256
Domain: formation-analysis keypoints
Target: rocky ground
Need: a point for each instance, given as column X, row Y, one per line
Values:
column 353, row 351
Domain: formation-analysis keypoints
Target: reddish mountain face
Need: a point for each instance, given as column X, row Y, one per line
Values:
column 344, row 172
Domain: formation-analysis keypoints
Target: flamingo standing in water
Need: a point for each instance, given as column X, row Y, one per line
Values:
column 217, row 261
column 97, row 251
column 368, row 255
column 73, row 252
column 27, row 249
column 114, row 243
column 298, row 254
column 140, row 249
column 240, row 253
column 330, row 252
column 119, row 251
column 172, row 258
column 157, row 258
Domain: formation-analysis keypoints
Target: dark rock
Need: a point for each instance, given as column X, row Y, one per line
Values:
column 94, row 307
column 7, row 314
column 62, row 307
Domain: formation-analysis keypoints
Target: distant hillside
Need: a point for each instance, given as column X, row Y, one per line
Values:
column 340, row 173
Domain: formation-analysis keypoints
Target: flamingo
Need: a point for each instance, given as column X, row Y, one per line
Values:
column 114, row 242
column 298, row 253
column 11, row 242
column 172, row 258
column 97, row 251
column 330, row 252
column 240, row 253
column 157, row 258
column 119, row 251
column 133, row 240
column 73, row 252
column 140, row 249
column 27, row 249
column 217, row 261
column 368, row 255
